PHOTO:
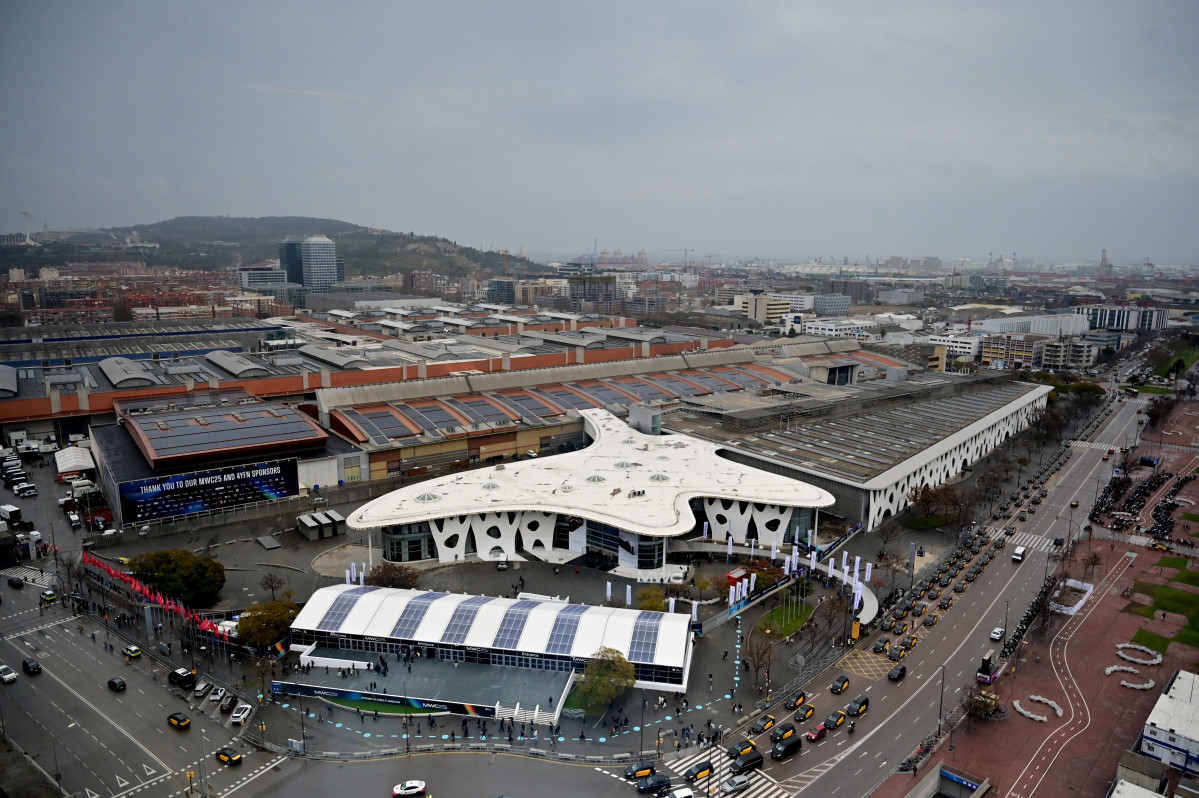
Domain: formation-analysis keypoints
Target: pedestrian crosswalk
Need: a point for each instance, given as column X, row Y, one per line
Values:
column 761, row 785
column 1029, row 541
column 30, row 574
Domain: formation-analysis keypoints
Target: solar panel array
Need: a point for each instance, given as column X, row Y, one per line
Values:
column 366, row 425
column 646, row 388
column 513, row 624
column 222, row 429
column 462, row 619
column 606, row 393
column 645, row 637
column 566, row 626
column 388, row 424
column 413, row 614
column 341, row 607
column 567, row 398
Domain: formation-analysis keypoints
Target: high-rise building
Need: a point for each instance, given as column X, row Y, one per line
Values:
column 319, row 257
column 291, row 260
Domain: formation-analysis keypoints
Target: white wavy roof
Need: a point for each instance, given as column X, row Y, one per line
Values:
column 597, row 482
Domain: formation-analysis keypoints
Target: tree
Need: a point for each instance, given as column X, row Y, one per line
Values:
column 703, row 584
column 393, row 574
column 195, row 581
column 606, row 676
column 271, row 581
column 680, row 590
column 888, row 531
column 263, row 625
column 651, row 598
column 1091, row 562
column 758, row 652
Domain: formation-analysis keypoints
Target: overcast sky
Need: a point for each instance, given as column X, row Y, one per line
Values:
column 784, row 129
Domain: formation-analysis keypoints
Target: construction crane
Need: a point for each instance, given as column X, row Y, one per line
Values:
column 685, row 252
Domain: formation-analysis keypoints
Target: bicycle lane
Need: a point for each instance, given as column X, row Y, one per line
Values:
column 1079, row 718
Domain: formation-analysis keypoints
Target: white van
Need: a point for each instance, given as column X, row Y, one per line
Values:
column 1018, row 554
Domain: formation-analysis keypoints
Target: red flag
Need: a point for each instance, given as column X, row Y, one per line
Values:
column 226, row 631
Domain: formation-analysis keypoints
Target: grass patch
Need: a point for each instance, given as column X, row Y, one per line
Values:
column 1172, row 562
column 1171, row 599
column 1189, row 356
column 785, row 620
column 1151, row 389
column 1191, row 516
column 1150, row 640
column 1139, row 609
column 931, row 522
column 1188, row 636
column 1187, row 578
column 575, row 701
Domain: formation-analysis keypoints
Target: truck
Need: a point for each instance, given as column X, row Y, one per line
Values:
column 10, row 514
column 989, row 669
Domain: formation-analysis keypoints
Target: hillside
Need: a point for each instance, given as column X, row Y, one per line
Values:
column 219, row 242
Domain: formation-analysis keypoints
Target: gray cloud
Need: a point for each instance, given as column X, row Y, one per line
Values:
column 1052, row 130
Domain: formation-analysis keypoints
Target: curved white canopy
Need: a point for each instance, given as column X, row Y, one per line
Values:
column 637, row 482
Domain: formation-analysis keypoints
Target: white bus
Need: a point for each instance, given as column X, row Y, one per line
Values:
column 1018, row 554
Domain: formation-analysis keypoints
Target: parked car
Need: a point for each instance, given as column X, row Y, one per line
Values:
column 241, row 714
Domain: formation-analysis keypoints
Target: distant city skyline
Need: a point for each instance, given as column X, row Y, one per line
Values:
column 736, row 130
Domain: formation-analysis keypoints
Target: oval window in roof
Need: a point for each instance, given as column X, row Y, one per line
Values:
column 596, row 478
column 491, row 486
column 625, row 464
column 428, row 497
column 566, row 489
column 659, row 478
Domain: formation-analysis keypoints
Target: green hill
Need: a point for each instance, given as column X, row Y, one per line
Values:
column 220, row 242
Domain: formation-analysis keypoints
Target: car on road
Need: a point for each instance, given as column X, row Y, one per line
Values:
column 834, row 720
column 735, row 785
column 857, row 707
column 900, row 628
column 881, row 645
column 931, row 619
column 782, row 732
column 1074, row 503
column 7, row 674
column 945, row 580
column 933, row 594
column 413, row 787
column 228, row 756
column 817, row 732
column 909, row 642
column 116, row 684
column 897, row 673
column 700, row 770
column 840, row 685
column 31, row 665
column 762, row 724
column 16, row 581
column 48, row 596
column 179, row 720
column 919, row 609
column 639, row 770
column 655, row 784
column 997, row 633
column 897, row 653
column 740, row 747
column 217, row 695
column 804, row 712
column 787, row 747
column 888, row 623
column 960, row 587
column 229, row 703
column 241, row 713
column 131, row 651
column 796, row 700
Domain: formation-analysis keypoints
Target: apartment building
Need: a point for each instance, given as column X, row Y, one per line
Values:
column 1014, row 350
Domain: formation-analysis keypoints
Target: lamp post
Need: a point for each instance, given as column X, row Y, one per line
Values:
column 641, row 728
column 941, row 703
column 54, row 747
column 1005, row 611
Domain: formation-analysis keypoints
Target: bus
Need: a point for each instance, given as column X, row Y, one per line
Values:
column 990, row 668
column 1131, row 392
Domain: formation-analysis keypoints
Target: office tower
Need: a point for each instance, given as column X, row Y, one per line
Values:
column 291, row 260
column 319, row 256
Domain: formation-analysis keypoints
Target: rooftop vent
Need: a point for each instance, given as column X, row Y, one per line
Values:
column 428, row 497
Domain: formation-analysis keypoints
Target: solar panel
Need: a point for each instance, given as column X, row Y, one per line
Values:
column 386, row 422
column 645, row 637
column 513, row 624
column 366, row 425
column 341, row 607
column 413, row 614
column 566, row 626
column 572, row 399
column 462, row 619
column 416, row 417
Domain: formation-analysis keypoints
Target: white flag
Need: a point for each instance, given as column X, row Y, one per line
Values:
column 671, row 604
column 774, row 551
column 787, row 565
column 694, row 610
column 730, row 544
column 353, row 572
column 628, row 595
column 812, row 561
column 609, row 591
column 868, row 566
column 348, row 582
column 705, row 530
column 753, row 580
column 857, row 561
column 845, row 561
column 795, row 554
column 732, row 595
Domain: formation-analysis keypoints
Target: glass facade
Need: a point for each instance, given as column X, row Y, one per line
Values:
column 408, row 542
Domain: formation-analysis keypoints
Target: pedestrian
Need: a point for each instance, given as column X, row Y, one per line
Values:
column 376, row 714
column 726, row 654
column 551, row 701
column 576, row 574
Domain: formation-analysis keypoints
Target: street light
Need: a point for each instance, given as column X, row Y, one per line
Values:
column 54, row 747
column 1005, row 610
column 941, row 703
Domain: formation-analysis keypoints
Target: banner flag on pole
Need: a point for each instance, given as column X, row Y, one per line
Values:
column 867, row 578
column 609, row 591
column 753, row 580
column 774, row 551
column 705, row 530
column 671, row 604
column 844, row 560
column 348, row 582
column 628, row 595
column 730, row 539
column 353, row 572
column 694, row 610
column 732, row 595
column 812, row 561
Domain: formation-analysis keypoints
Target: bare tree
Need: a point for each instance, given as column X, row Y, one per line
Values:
column 271, row 581
column 1091, row 562
column 759, row 651
column 888, row 531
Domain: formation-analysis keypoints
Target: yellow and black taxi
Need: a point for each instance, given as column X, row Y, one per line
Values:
column 1074, row 503
column 897, row 653
column 888, row 623
column 804, row 712
column 881, row 645
column 782, row 732
column 796, row 700
column 228, row 756
column 931, row 619
column 908, row 643
column 835, row 719
column 764, row 723
column 179, row 720
column 639, row 770
column 900, row 628
column 839, row 685
column 700, row 770
column 740, row 748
